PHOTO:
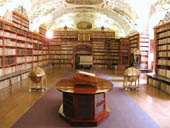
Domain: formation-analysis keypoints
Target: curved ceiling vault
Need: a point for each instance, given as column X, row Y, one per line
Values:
column 70, row 12
column 122, row 16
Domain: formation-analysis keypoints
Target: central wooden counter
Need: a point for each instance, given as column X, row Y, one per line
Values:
column 84, row 105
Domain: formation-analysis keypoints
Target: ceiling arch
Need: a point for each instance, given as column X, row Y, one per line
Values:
column 123, row 16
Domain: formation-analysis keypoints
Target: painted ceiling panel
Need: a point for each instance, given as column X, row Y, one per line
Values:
column 122, row 16
column 84, row 2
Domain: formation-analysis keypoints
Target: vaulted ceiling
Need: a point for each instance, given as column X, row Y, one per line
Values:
column 122, row 16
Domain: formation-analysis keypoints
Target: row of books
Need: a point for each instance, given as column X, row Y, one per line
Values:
column 61, row 56
column 113, row 50
column 17, row 19
column 9, row 70
column 28, row 66
column 20, row 51
column 8, row 42
column 98, row 47
column 161, row 72
column 9, row 60
column 8, row 51
column 164, row 34
column 133, row 41
column 22, row 59
column 99, row 53
column 61, row 52
column 122, row 50
column 20, row 12
column 160, row 85
column 164, row 41
column 66, row 44
column 99, row 50
column 64, row 66
column 37, row 46
column 54, row 47
column 162, row 61
column 39, row 52
column 113, row 45
column 165, row 87
column 18, row 37
column 1, row 62
column 162, row 47
column 1, row 42
column 108, row 56
column 65, row 36
column 162, row 54
column 17, row 25
column 165, row 28
column 28, row 51
column 62, row 61
column 134, row 45
column 21, row 25
column 21, row 44
column 100, row 57
column 99, row 41
column 21, row 67
column 28, row 45
column 66, row 48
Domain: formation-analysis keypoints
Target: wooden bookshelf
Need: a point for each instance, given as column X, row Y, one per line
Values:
column 162, row 58
column 99, row 53
column 113, row 52
column 20, row 50
column 141, row 42
column 162, row 42
column 63, row 47
column 124, row 53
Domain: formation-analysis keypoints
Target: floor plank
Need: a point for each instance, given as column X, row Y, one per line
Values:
column 16, row 100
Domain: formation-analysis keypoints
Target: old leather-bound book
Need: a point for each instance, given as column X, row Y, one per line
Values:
column 82, row 78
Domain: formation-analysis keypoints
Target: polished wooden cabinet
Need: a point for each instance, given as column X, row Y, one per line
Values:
column 84, row 105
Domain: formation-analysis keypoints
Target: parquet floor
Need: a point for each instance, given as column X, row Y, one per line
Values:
column 16, row 100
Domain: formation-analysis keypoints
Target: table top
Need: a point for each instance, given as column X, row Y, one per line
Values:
column 67, row 85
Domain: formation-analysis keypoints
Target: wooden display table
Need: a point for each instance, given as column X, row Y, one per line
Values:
column 84, row 105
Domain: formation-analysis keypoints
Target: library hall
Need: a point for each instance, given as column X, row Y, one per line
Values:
column 85, row 63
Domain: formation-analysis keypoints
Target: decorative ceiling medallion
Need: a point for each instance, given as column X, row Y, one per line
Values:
column 2, row 2
column 84, row 2
column 84, row 25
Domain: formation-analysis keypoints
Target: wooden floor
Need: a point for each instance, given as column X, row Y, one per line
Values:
column 16, row 100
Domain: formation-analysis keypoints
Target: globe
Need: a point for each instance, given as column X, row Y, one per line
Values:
column 36, row 74
column 132, row 74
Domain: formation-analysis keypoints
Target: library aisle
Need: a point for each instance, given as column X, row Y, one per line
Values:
column 16, row 100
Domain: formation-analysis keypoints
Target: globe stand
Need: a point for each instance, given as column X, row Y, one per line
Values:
column 131, row 75
column 38, row 80
column 134, row 85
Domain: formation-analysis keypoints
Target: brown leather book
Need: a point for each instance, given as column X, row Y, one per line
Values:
column 84, row 78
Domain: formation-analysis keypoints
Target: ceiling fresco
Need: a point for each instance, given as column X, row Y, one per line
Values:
column 122, row 16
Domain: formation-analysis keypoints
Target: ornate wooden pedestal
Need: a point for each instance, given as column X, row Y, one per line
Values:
column 84, row 106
